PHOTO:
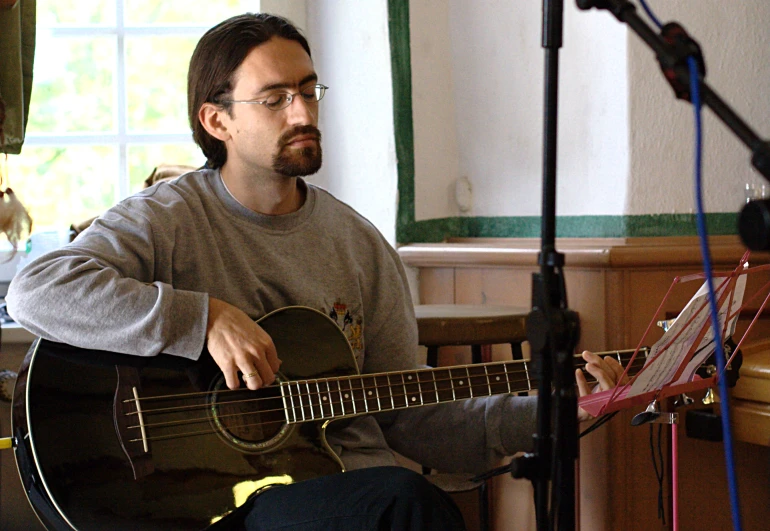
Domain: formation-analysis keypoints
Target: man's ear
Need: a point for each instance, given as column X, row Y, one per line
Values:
column 210, row 116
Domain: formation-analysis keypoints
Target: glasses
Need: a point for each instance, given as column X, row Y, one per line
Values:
column 280, row 100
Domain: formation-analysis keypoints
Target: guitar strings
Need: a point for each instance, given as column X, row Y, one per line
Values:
column 332, row 406
column 615, row 354
column 351, row 389
column 332, row 392
column 262, row 423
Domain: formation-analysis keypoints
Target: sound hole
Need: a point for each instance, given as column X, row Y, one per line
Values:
column 252, row 421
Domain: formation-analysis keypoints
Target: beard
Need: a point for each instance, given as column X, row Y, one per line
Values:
column 291, row 162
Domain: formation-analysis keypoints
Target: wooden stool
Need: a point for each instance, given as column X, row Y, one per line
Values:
column 476, row 325
column 480, row 327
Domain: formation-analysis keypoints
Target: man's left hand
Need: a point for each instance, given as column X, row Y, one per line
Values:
column 607, row 371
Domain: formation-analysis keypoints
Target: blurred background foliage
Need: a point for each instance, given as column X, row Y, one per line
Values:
column 71, row 165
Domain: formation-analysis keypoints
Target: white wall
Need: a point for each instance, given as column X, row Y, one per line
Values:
column 350, row 44
column 351, row 50
column 735, row 39
column 488, row 72
column 625, row 143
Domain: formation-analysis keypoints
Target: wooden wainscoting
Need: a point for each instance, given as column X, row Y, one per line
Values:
column 616, row 286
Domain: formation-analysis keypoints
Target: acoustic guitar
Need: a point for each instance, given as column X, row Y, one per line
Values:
column 112, row 441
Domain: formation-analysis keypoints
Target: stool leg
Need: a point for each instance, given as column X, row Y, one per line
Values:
column 476, row 354
column 432, row 358
column 516, row 353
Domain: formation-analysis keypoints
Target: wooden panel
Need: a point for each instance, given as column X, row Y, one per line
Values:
column 437, row 286
column 616, row 287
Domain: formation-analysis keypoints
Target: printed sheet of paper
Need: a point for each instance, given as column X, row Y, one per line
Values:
column 660, row 369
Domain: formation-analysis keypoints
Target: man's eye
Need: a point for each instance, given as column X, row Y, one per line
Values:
column 275, row 100
column 310, row 94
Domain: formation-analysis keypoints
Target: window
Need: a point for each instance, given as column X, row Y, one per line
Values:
column 109, row 101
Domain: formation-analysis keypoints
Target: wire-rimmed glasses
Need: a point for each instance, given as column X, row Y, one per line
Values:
column 280, row 100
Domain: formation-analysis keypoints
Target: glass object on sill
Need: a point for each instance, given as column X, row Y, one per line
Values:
column 74, row 88
column 156, row 82
column 753, row 191
column 40, row 243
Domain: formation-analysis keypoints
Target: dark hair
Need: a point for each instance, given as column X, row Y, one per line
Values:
column 217, row 56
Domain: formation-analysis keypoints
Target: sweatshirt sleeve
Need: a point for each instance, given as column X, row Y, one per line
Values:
column 463, row 436
column 102, row 292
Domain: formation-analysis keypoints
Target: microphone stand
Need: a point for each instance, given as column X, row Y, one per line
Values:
column 552, row 329
column 672, row 49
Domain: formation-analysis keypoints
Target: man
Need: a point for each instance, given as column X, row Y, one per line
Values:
column 192, row 263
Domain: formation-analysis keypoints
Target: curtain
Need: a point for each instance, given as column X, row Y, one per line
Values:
column 17, row 54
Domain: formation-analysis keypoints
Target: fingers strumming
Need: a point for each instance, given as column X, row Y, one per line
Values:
column 582, row 384
column 231, row 379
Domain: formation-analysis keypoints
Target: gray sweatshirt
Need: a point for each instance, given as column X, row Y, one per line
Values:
column 138, row 282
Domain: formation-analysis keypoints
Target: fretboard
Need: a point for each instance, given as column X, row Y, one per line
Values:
column 348, row 396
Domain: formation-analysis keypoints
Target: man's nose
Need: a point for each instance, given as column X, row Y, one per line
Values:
column 301, row 112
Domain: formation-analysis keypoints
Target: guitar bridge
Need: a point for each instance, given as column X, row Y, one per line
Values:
column 129, row 422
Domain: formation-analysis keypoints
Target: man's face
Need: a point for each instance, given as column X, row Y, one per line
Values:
column 284, row 142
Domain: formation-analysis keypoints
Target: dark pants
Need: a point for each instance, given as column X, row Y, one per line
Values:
column 381, row 498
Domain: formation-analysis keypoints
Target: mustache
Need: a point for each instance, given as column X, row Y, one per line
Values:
column 300, row 130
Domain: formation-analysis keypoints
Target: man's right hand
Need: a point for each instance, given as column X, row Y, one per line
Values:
column 237, row 343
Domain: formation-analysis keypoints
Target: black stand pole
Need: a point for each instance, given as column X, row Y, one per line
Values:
column 552, row 329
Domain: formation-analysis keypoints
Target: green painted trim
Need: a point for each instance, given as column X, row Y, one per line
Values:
column 408, row 230
column 401, row 68
column 437, row 230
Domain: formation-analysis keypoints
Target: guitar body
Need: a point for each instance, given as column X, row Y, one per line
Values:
column 81, row 437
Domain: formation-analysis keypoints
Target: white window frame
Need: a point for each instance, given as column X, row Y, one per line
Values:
column 121, row 138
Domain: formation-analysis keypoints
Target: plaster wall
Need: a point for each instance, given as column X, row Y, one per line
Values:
column 735, row 39
column 625, row 142
column 478, row 109
column 351, row 50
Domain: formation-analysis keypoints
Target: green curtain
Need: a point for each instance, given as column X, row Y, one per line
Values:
column 17, row 54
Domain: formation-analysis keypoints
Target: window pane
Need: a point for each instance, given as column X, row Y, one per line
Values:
column 64, row 185
column 73, row 89
column 143, row 159
column 156, row 83
column 75, row 12
column 194, row 12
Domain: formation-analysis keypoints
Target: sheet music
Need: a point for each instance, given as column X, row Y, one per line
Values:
column 659, row 370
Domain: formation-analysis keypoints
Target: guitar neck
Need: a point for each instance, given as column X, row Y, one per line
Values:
column 348, row 396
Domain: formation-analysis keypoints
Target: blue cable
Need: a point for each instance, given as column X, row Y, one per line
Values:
column 650, row 14
column 703, row 237
column 720, row 355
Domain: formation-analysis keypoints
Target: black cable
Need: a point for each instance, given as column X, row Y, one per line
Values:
column 658, row 473
column 598, row 424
